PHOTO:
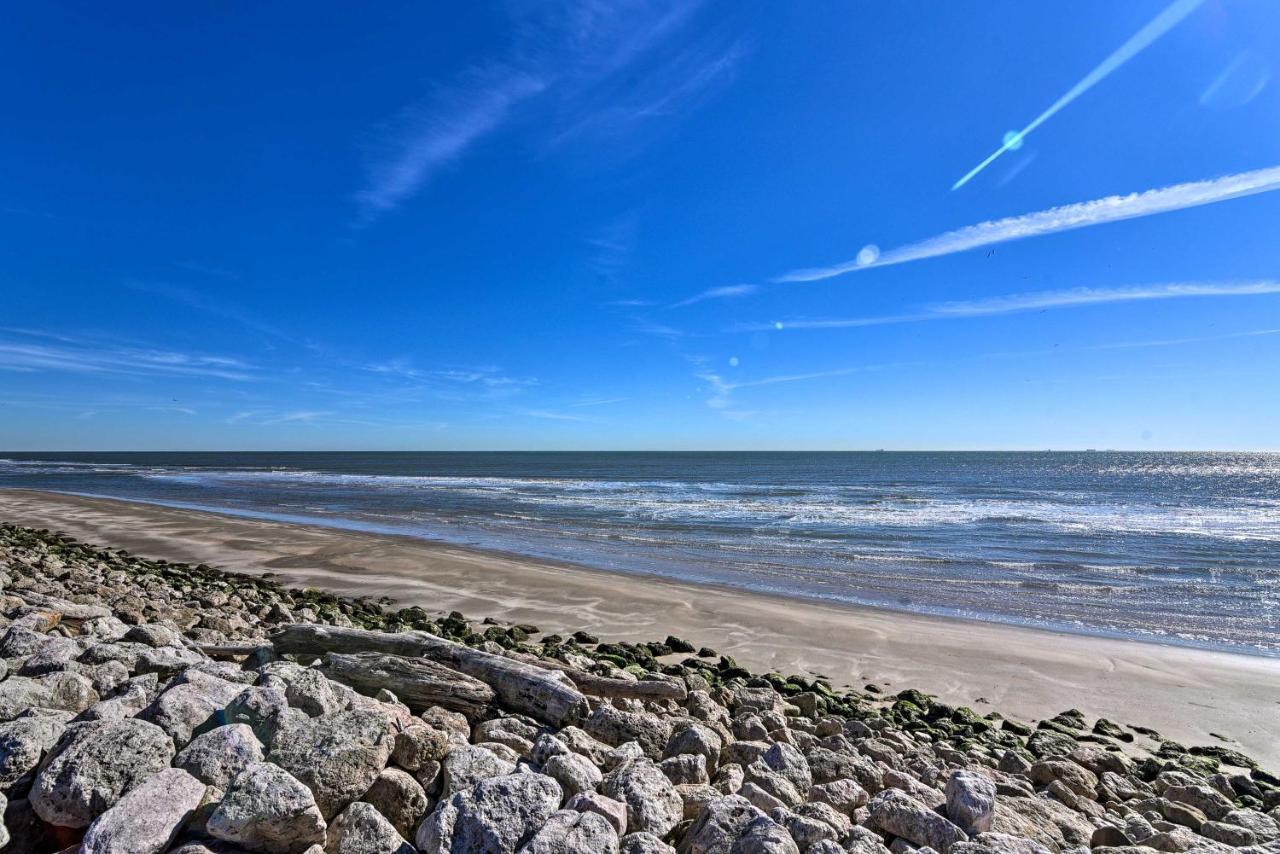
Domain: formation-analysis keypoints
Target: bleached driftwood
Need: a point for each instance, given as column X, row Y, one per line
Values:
column 546, row 695
column 604, row 686
column 419, row 683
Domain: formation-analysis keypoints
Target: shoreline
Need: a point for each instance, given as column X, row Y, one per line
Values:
column 1184, row 692
column 343, row 525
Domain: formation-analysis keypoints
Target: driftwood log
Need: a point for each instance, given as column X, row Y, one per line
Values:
column 419, row 683
column 604, row 686
column 545, row 695
column 232, row 649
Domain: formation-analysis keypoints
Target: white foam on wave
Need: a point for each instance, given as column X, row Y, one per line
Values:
column 795, row 506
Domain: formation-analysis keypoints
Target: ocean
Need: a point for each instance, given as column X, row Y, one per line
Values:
column 1172, row 547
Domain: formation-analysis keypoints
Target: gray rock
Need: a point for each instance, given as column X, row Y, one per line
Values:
column 400, row 798
column 312, row 693
column 20, row 641
column 152, row 635
column 262, row 708
column 615, row 728
column 361, row 829
column 844, row 795
column 467, row 765
column 971, row 801
column 573, row 832
column 826, row 846
column 1265, row 827
column 496, row 816
column 1206, row 799
column 1109, row 836
column 828, row 815
column 1075, row 777
column 761, row 799
column 1012, row 762
column 93, row 765
column 653, row 806
column 1183, row 814
column 51, row 656
column 687, row 768
column 167, row 661
column 146, row 820
column 217, row 756
column 338, row 756
column 785, row 760
column 1098, row 760
column 898, row 813
column 721, row 822
column 23, row 743
column 695, row 796
column 643, row 843
column 699, row 740
column 417, row 745
column 614, row 812
column 775, row 784
column 64, row 690
column 765, row 836
column 192, row 704
column 573, row 772
column 1228, row 834
column 806, row 831
column 1041, row 820
column 729, row 778
column 267, row 809
column 999, row 843
column 28, row 833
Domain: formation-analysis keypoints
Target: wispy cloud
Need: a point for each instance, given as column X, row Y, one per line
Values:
column 599, row 401
column 1168, row 18
column 268, row 418
column 658, row 330
column 208, row 304
column 581, row 57
column 676, row 84
column 1053, row 220
column 612, row 247
column 488, row 376
column 552, row 415
column 94, row 358
column 206, row 270
column 1040, row 301
column 723, row 389
column 725, row 292
column 429, row 138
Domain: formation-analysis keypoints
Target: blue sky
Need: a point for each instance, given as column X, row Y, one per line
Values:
column 625, row 224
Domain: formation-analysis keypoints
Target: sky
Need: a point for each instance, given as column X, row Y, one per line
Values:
column 622, row 224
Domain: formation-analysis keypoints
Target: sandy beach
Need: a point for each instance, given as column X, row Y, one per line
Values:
column 1186, row 694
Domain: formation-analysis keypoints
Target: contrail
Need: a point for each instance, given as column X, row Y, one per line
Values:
column 1051, row 221
column 1155, row 28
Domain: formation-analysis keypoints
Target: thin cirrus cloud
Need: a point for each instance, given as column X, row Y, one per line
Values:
column 432, row 139
column 1168, row 18
column 582, row 60
column 1040, row 301
column 725, row 292
column 67, row 355
column 1051, row 221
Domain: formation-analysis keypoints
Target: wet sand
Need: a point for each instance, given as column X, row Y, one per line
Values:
column 1184, row 693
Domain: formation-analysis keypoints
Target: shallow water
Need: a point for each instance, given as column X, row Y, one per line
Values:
column 1180, row 547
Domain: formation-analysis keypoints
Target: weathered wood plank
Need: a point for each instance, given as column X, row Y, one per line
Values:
column 594, row 685
column 546, row 695
column 419, row 682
